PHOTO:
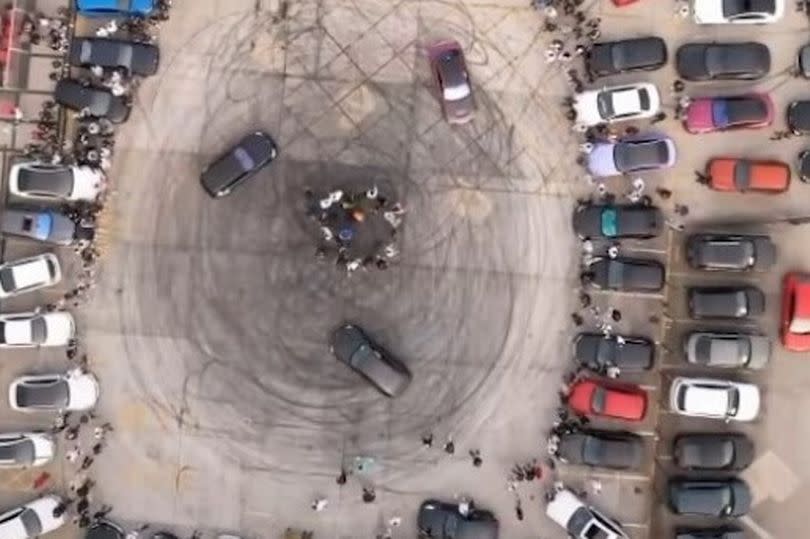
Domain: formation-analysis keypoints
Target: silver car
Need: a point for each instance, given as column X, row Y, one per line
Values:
column 727, row 350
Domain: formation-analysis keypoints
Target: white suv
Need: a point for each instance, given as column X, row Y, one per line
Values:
column 717, row 399
column 32, row 519
column 617, row 104
column 581, row 521
column 737, row 11
column 29, row 274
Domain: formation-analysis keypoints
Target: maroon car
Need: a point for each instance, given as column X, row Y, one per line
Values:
column 450, row 70
column 709, row 114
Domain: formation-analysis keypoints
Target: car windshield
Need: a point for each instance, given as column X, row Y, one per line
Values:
column 604, row 103
column 598, row 399
column 732, row 8
column 615, row 274
column 31, row 522
column 450, row 525
column 18, row 451
column 243, row 158
column 39, row 330
column 733, row 401
column 609, row 222
column 106, row 53
column 454, row 80
column 730, row 254
column 53, row 181
column 7, row 279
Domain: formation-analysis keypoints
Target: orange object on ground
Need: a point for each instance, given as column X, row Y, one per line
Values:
column 744, row 175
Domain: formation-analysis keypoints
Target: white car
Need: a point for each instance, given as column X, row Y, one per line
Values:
column 617, row 104
column 29, row 274
column 26, row 330
column 581, row 521
column 32, row 519
column 25, row 449
column 712, row 398
column 74, row 391
column 737, row 11
column 46, row 181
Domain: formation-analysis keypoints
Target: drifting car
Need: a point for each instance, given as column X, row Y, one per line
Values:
column 26, row 449
column 626, row 55
column 710, row 114
column 599, row 352
column 730, row 252
column 626, row 274
column 714, row 399
column 798, row 117
column 604, row 449
column 726, row 302
column 718, row 452
column 353, row 347
column 29, row 274
column 723, row 61
column 441, row 520
column 453, row 81
column 632, row 154
column 795, row 316
column 32, row 519
column 727, row 350
column 47, row 226
column 596, row 398
column 713, row 498
column 28, row 330
column 108, row 8
column 580, row 520
column 74, row 391
column 617, row 221
column 737, row 11
column 132, row 57
column 243, row 161
column 50, row 182
column 95, row 102
column 617, row 104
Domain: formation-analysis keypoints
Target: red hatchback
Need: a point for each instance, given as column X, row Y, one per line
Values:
column 598, row 398
column 795, row 326
column 709, row 114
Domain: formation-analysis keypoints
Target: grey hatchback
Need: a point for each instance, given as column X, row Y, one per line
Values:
column 626, row 274
column 726, row 302
column 251, row 154
column 352, row 346
column 727, row 350
column 729, row 252
column 715, row 498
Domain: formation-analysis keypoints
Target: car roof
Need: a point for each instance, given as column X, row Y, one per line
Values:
column 702, row 497
column 31, row 272
column 741, row 109
column 749, row 57
column 645, row 51
column 711, row 451
column 39, row 178
column 799, row 115
column 637, row 154
column 706, row 400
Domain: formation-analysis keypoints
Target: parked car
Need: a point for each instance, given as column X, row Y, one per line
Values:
column 605, row 449
column 713, row 451
column 106, row 529
column 803, row 61
column 630, row 155
column 710, row 533
column 617, row 104
column 29, row 274
column 592, row 397
column 441, row 520
column 51, row 182
column 243, row 161
column 714, row 399
column 744, row 175
column 95, row 102
column 582, row 521
column 453, row 81
column 626, row 274
column 47, row 226
column 726, row 302
column 723, row 61
column 73, row 391
column 33, row 519
column 737, row 11
column 27, row 330
column 710, row 114
column 727, row 350
column 352, row 346
column 730, row 252
column 798, row 117
column 804, row 166
column 26, row 449
column 626, row 55
column 130, row 56
column 598, row 352
column 617, row 221
column 107, row 8
column 709, row 497
column 795, row 318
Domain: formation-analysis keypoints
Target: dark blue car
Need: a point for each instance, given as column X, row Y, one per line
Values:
column 106, row 8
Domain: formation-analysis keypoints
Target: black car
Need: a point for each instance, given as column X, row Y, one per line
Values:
column 637, row 54
column 723, row 61
column 441, row 520
column 605, row 449
column 730, row 452
column 248, row 157
column 98, row 102
column 598, row 352
column 730, row 252
column 710, row 533
column 715, row 498
column 626, row 274
column 353, row 347
column 726, row 302
column 132, row 57
column 617, row 221
column 104, row 529
column 798, row 117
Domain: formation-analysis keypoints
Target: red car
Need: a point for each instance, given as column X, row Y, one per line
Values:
column 743, row 175
column 450, row 70
column 795, row 327
column 709, row 114
column 590, row 397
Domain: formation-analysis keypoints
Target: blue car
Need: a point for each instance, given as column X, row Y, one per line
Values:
column 106, row 8
column 47, row 226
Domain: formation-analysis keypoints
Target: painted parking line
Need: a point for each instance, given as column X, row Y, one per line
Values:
column 624, row 294
column 752, row 525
